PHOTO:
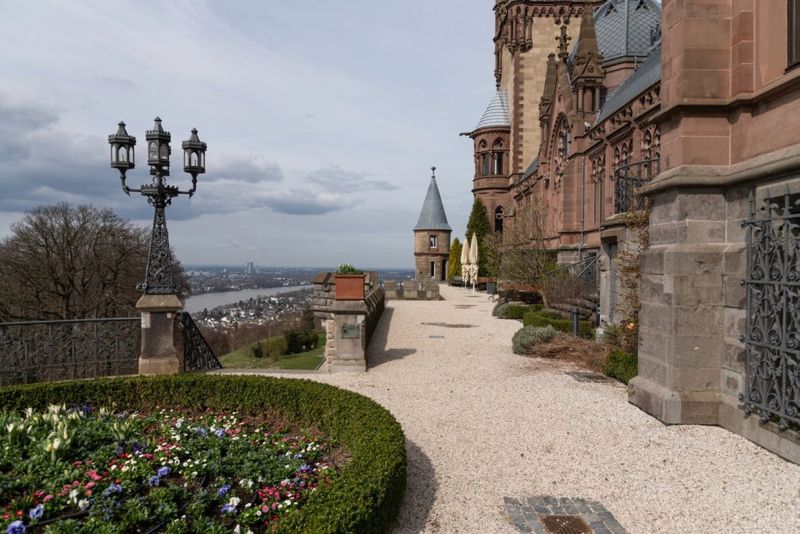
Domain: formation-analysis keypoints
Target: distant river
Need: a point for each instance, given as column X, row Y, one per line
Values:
column 198, row 303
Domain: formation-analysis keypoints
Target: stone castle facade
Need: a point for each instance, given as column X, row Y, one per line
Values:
column 695, row 106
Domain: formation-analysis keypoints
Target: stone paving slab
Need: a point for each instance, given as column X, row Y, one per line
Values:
column 526, row 514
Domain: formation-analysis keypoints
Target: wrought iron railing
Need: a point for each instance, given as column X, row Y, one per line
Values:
column 584, row 270
column 41, row 351
column 772, row 339
column 628, row 180
column 197, row 353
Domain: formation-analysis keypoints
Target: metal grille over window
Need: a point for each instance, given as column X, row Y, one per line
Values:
column 794, row 32
column 772, row 380
column 628, row 180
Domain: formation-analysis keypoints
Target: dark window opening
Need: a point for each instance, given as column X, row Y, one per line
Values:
column 433, row 269
column 498, row 162
column 443, row 273
column 485, row 165
column 498, row 219
column 794, row 33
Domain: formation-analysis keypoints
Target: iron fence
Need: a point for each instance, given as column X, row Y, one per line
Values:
column 197, row 353
column 41, row 351
column 584, row 271
column 772, row 339
column 628, row 180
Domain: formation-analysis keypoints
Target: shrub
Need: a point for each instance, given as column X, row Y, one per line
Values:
column 530, row 336
column 622, row 366
column 257, row 351
column 346, row 268
column 585, row 328
column 514, row 310
column 274, row 346
column 365, row 495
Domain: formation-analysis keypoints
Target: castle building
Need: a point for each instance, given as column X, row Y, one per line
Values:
column 693, row 107
column 432, row 236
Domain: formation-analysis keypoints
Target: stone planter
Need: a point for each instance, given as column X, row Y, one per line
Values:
column 349, row 287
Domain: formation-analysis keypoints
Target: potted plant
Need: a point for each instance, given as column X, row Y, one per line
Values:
column 349, row 283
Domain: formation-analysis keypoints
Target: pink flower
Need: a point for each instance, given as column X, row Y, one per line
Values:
column 90, row 485
column 48, row 498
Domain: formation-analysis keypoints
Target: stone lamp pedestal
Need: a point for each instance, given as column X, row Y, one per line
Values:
column 158, row 354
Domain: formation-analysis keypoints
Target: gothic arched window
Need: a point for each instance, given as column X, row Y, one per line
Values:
column 498, row 219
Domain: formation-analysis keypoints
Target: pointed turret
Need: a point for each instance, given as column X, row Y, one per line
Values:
column 432, row 236
column 432, row 216
column 587, row 67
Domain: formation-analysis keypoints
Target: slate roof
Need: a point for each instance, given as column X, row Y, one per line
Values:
column 625, row 28
column 532, row 168
column 432, row 216
column 496, row 113
column 647, row 75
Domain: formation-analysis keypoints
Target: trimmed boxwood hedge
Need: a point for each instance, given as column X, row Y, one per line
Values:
column 365, row 496
column 585, row 328
column 514, row 310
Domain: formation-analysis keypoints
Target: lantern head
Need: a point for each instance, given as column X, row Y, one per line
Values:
column 158, row 149
column 122, row 151
column 194, row 155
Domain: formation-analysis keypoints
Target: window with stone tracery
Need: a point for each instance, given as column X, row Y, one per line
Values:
column 563, row 140
column 651, row 150
column 598, row 175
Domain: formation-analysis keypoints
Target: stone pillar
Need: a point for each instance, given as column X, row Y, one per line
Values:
column 345, row 350
column 681, row 339
column 159, row 355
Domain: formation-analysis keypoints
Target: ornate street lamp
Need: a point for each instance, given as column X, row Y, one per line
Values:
column 159, row 277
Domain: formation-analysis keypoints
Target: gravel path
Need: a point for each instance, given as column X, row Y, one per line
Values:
column 482, row 423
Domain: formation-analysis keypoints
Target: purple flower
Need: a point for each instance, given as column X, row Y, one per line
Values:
column 137, row 448
column 220, row 432
column 86, row 409
column 37, row 512
column 201, row 432
column 164, row 471
column 298, row 456
column 224, row 490
column 154, row 481
column 16, row 528
column 111, row 489
column 228, row 508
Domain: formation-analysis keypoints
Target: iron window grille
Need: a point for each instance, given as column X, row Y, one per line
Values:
column 772, row 339
column 629, row 179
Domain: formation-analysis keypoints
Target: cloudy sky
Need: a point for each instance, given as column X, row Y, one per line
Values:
column 322, row 117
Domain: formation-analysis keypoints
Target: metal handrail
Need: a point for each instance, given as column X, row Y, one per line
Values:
column 66, row 321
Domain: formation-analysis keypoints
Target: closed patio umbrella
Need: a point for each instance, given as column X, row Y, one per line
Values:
column 465, row 262
column 473, row 260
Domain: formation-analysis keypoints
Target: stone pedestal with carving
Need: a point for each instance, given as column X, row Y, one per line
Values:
column 159, row 355
column 345, row 350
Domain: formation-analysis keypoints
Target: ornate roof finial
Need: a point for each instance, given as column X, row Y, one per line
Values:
column 433, row 170
column 563, row 43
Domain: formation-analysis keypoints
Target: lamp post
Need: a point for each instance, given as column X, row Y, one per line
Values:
column 160, row 300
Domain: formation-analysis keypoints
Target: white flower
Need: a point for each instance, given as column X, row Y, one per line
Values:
column 73, row 496
column 234, row 501
column 83, row 504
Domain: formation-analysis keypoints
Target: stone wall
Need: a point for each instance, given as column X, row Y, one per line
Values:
column 693, row 316
column 349, row 331
column 412, row 290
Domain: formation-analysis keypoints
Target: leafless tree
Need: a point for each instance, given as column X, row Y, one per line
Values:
column 520, row 254
column 64, row 262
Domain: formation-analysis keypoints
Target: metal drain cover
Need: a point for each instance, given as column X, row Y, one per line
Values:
column 436, row 337
column 590, row 377
column 565, row 524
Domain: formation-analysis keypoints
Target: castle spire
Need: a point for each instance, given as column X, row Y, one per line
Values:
column 432, row 216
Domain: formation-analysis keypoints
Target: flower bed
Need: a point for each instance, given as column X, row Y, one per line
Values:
column 173, row 463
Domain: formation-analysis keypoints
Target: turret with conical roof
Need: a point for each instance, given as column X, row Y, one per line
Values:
column 432, row 236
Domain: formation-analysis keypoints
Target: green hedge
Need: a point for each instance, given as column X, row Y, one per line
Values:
column 585, row 328
column 621, row 365
column 364, row 497
column 514, row 310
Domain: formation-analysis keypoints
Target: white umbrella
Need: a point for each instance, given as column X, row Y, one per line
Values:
column 465, row 260
column 473, row 260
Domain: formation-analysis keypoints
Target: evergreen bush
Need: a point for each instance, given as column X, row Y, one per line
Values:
column 530, row 336
column 514, row 310
column 585, row 328
column 364, row 496
column 622, row 366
